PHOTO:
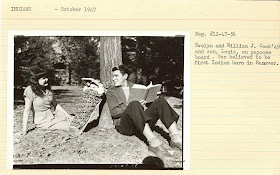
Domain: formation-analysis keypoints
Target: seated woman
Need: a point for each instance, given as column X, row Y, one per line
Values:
column 47, row 114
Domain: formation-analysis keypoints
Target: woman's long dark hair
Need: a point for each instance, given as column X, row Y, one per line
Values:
column 36, row 88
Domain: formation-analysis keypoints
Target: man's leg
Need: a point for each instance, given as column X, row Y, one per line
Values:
column 155, row 145
column 176, row 138
column 161, row 109
column 147, row 132
column 173, row 129
column 134, row 120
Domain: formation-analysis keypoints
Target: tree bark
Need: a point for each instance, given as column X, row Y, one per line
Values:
column 110, row 56
column 69, row 74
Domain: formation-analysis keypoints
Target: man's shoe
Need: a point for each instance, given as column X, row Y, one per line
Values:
column 161, row 152
column 176, row 144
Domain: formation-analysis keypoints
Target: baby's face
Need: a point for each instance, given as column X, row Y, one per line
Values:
column 99, row 89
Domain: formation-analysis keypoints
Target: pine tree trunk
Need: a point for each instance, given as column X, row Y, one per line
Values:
column 110, row 56
column 69, row 74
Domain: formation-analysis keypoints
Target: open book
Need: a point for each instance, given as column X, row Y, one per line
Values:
column 140, row 92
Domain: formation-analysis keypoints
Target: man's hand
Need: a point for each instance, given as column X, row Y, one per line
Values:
column 117, row 122
column 143, row 103
column 158, row 94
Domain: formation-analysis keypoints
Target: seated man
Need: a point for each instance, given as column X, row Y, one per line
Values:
column 136, row 117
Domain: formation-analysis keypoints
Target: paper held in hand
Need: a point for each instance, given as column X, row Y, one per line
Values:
column 140, row 92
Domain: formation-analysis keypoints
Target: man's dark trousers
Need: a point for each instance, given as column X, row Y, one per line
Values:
column 134, row 117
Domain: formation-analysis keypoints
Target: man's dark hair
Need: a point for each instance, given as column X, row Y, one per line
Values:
column 122, row 68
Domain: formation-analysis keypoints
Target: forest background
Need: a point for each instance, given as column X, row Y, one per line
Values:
column 69, row 58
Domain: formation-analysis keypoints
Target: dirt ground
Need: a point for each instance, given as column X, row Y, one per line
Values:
column 96, row 146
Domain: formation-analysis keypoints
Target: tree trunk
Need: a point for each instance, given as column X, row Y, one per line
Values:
column 69, row 74
column 110, row 56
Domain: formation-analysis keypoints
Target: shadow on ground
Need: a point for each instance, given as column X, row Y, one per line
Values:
column 94, row 146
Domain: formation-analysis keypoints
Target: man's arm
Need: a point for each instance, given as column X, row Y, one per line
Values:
column 114, row 106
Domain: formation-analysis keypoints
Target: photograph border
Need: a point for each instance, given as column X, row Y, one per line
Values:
column 187, row 80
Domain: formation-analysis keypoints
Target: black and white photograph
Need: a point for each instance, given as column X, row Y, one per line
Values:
column 87, row 101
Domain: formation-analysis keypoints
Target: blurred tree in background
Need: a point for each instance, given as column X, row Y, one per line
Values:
column 68, row 58
column 31, row 54
column 156, row 59
column 81, row 57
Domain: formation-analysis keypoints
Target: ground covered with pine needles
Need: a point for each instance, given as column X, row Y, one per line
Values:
column 95, row 146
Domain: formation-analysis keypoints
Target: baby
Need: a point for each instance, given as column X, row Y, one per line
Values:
column 88, row 109
column 94, row 85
